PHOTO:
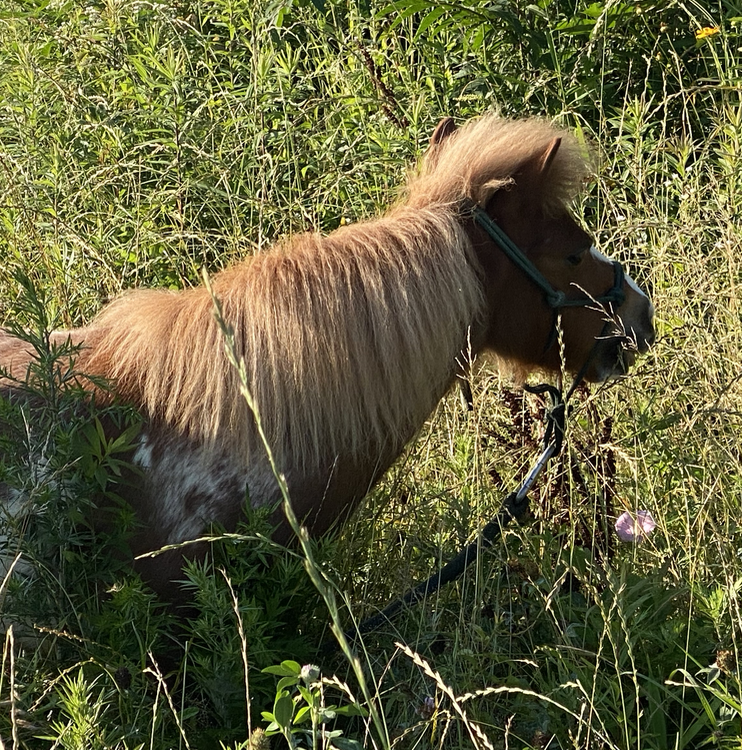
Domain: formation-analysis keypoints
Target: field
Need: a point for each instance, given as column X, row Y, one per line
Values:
column 141, row 142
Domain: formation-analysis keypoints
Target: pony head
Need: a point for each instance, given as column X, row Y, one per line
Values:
column 523, row 174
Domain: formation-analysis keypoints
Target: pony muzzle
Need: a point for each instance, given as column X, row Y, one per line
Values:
column 627, row 335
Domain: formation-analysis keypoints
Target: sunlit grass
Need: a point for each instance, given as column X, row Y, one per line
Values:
column 141, row 142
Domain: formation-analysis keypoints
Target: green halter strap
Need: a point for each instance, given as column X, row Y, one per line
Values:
column 554, row 298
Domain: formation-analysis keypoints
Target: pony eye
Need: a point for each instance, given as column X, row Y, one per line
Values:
column 576, row 258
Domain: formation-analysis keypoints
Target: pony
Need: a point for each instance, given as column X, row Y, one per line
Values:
column 348, row 341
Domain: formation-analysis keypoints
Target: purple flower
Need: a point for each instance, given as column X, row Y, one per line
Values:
column 427, row 708
column 631, row 529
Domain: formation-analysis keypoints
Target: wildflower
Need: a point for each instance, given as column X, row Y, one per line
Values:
column 258, row 740
column 706, row 32
column 630, row 529
column 310, row 673
column 427, row 708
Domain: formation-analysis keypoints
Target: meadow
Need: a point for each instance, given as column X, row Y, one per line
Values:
column 142, row 142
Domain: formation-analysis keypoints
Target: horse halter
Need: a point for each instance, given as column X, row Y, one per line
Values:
column 555, row 299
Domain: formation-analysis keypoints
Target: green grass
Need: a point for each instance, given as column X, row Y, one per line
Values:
column 140, row 142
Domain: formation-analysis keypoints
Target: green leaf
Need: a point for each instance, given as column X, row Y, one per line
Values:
column 345, row 743
column 284, row 669
column 429, row 19
column 352, row 709
column 283, row 711
column 286, row 682
column 307, row 694
column 403, row 10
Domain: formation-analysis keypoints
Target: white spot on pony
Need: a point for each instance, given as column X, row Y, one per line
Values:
column 143, row 454
column 193, row 484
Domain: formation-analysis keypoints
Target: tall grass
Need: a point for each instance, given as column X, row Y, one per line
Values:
column 141, row 142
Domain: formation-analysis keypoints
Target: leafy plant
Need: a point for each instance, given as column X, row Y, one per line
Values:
column 307, row 706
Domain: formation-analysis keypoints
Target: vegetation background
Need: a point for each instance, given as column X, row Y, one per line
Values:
column 141, row 141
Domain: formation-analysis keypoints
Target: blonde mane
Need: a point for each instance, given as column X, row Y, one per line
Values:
column 482, row 157
column 343, row 336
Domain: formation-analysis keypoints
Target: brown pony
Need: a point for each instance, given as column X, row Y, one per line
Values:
column 349, row 341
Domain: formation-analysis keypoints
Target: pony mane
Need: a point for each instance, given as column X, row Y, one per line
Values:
column 342, row 336
column 482, row 156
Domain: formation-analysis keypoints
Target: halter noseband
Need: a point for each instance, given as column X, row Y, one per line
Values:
column 555, row 299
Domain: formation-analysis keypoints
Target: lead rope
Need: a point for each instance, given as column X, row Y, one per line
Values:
column 514, row 507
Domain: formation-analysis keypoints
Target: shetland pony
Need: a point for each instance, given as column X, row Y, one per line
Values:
column 350, row 340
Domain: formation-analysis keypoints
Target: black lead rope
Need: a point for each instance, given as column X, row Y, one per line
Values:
column 514, row 507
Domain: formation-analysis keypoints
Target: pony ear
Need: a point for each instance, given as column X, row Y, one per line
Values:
column 445, row 128
column 547, row 157
column 534, row 170
column 442, row 130
column 530, row 174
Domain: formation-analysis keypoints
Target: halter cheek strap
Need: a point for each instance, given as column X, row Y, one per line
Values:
column 555, row 298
